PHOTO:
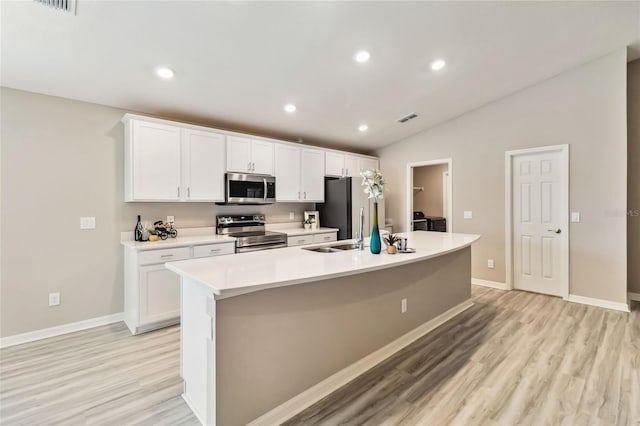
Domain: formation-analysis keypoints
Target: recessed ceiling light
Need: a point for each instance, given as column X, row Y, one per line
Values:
column 290, row 108
column 438, row 64
column 164, row 72
column 363, row 127
column 362, row 56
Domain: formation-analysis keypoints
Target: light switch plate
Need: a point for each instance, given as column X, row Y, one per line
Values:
column 490, row 264
column 87, row 223
column 54, row 299
column 468, row 214
column 292, row 215
column 171, row 219
column 575, row 217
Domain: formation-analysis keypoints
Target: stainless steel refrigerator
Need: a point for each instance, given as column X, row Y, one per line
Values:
column 343, row 198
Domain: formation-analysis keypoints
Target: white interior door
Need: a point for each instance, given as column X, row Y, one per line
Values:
column 539, row 240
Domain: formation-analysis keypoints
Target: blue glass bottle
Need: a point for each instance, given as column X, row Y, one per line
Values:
column 375, row 245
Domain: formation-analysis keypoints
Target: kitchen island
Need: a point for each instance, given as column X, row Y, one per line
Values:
column 265, row 334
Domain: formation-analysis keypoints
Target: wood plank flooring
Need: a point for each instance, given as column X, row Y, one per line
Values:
column 513, row 358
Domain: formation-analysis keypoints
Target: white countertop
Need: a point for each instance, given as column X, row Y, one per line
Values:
column 244, row 273
column 179, row 241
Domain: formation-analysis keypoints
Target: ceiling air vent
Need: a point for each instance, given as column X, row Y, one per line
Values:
column 407, row 117
column 64, row 5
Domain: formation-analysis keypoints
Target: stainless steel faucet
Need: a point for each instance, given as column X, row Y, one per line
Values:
column 360, row 239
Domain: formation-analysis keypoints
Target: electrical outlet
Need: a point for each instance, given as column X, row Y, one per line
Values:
column 575, row 217
column 292, row 215
column 170, row 219
column 490, row 264
column 54, row 299
column 87, row 223
column 403, row 306
column 468, row 214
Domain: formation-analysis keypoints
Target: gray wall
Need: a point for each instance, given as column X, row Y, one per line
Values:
column 429, row 201
column 633, row 202
column 584, row 107
column 62, row 159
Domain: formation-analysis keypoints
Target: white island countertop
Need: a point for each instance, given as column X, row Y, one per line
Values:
column 229, row 276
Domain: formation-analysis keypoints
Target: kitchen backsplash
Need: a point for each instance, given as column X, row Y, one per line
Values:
column 193, row 215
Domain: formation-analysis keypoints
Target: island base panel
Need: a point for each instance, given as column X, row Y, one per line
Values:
column 273, row 344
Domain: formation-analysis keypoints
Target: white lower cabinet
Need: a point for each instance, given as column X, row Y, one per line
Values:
column 300, row 240
column 159, row 294
column 152, row 292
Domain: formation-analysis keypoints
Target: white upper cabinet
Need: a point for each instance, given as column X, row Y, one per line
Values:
column 334, row 164
column 351, row 166
column 287, row 172
column 246, row 155
column 341, row 164
column 203, row 155
column 164, row 162
column 312, row 175
column 368, row 164
column 153, row 151
column 299, row 173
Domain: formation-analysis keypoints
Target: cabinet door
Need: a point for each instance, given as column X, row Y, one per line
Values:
column 238, row 154
column 352, row 166
column 368, row 164
column 155, row 162
column 334, row 164
column 159, row 294
column 287, row 172
column 262, row 157
column 203, row 165
column 312, row 175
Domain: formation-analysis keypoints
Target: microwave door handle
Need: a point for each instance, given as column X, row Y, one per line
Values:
column 265, row 188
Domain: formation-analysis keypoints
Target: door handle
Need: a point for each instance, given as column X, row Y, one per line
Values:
column 557, row 231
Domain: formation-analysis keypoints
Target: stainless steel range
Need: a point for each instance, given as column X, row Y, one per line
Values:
column 250, row 233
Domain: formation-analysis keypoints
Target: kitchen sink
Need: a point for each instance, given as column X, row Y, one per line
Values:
column 337, row 248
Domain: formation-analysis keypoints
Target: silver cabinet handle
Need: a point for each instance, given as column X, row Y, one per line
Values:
column 301, row 241
column 347, row 173
column 298, row 195
column 305, row 195
column 178, row 192
column 164, row 256
column 557, row 231
column 188, row 192
column 249, row 166
column 342, row 171
column 253, row 168
column 214, row 250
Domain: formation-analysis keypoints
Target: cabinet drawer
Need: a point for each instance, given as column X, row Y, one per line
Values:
column 162, row 256
column 325, row 238
column 214, row 250
column 300, row 240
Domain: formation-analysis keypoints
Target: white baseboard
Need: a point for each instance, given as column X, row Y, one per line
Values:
column 492, row 284
column 31, row 336
column 624, row 307
column 634, row 296
column 315, row 393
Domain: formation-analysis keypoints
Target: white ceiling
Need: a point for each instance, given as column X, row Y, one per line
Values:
column 237, row 63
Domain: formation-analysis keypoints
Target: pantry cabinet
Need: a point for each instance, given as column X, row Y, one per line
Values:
column 165, row 162
column 299, row 173
column 246, row 155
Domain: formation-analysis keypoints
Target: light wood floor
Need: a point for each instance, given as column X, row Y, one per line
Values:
column 513, row 358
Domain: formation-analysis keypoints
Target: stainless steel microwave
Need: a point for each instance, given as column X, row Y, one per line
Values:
column 244, row 188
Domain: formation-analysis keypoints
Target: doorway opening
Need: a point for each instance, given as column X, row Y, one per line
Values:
column 429, row 194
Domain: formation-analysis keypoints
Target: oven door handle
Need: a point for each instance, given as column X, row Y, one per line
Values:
column 265, row 188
